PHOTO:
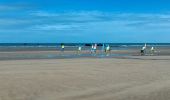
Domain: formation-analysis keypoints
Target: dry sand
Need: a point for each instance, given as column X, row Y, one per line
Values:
column 137, row 78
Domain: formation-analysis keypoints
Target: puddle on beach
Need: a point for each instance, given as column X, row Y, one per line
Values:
column 50, row 56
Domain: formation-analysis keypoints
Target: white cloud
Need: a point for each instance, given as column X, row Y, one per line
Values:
column 57, row 27
column 15, row 6
column 94, row 16
column 92, row 21
column 100, row 21
column 86, row 23
column 8, row 22
column 43, row 14
column 5, row 7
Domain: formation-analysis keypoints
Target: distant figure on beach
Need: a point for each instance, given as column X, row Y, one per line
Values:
column 79, row 49
column 95, row 48
column 62, row 47
column 103, row 48
column 152, row 50
column 145, row 45
column 143, row 50
column 107, row 49
column 92, row 48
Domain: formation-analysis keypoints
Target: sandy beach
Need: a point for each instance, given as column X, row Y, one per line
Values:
column 128, row 78
column 84, row 49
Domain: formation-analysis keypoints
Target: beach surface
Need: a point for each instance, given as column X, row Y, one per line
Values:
column 122, row 78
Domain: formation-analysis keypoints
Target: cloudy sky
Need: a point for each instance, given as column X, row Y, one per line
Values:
column 56, row 21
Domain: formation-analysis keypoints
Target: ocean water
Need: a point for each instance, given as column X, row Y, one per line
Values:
column 84, row 44
column 72, row 45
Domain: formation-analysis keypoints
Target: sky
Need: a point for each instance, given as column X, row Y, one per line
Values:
column 79, row 21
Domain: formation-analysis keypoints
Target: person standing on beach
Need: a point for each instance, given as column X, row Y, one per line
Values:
column 103, row 48
column 152, row 50
column 143, row 50
column 92, row 48
column 108, row 49
column 95, row 48
column 79, row 49
column 62, row 47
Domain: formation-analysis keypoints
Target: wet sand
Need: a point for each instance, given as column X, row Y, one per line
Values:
column 128, row 78
column 19, row 55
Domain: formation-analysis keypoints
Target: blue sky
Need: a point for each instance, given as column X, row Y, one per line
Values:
column 56, row 21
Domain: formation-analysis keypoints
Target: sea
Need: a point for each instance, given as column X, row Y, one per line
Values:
column 80, row 44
